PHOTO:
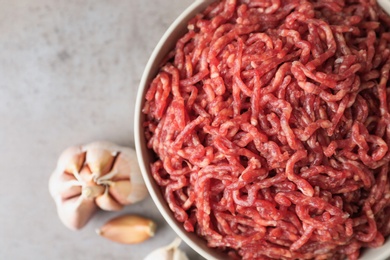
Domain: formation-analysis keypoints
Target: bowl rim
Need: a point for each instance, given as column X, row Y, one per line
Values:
column 164, row 45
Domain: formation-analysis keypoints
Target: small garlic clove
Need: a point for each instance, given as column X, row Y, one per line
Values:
column 63, row 186
column 76, row 212
column 120, row 191
column 138, row 185
column 106, row 202
column 122, row 167
column 99, row 161
column 86, row 175
column 125, row 163
column 71, row 160
column 101, row 151
column 128, row 229
column 126, row 166
column 170, row 252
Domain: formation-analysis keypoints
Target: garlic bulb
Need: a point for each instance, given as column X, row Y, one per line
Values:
column 98, row 175
column 169, row 252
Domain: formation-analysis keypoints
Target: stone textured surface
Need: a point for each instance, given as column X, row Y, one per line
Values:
column 69, row 73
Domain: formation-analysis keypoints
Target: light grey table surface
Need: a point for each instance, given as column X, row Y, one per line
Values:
column 69, row 73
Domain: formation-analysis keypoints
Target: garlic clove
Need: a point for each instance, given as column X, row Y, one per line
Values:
column 86, row 176
column 63, row 186
column 125, row 163
column 99, row 161
column 139, row 190
column 110, row 152
column 128, row 229
column 126, row 167
column 71, row 160
column 120, row 191
column 122, row 167
column 106, row 202
column 76, row 212
column 170, row 252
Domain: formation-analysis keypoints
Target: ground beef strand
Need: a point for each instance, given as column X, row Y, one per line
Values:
column 270, row 124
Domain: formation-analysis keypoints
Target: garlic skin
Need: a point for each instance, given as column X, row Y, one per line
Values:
column 99, row 175
column 76, row 212
column 169, row 252
column 128, row 229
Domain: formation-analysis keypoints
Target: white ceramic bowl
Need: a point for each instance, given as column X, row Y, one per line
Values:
column 166, row 44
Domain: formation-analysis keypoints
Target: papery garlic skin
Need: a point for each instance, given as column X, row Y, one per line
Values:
column 106, row 202
column 169, row 252
column 97, row 175
column 76, row 212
